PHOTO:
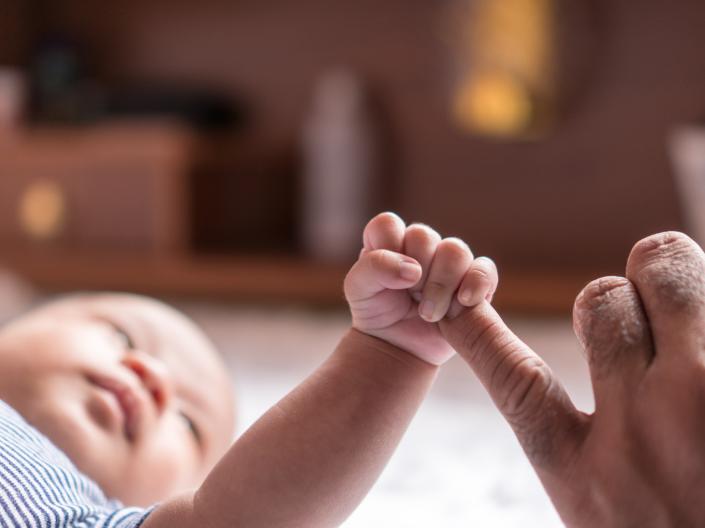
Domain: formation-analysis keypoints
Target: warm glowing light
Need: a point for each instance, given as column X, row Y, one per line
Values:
column 516, row 34
column 42, row 210
column 505, row 83
column 494, row 104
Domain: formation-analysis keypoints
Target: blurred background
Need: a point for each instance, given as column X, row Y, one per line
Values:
column 225, row 155
column 537, row 130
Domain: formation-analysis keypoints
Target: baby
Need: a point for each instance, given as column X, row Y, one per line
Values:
column 109, row 398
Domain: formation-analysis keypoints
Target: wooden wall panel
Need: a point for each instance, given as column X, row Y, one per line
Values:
column 577, row 199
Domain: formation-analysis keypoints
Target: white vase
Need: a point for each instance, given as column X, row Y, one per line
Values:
column 12, row 99
column 687, row 147
column 339, row 159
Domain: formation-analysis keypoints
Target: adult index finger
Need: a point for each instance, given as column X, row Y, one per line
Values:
column 522, row 386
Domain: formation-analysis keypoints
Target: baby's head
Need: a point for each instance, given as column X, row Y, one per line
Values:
column 128, row 388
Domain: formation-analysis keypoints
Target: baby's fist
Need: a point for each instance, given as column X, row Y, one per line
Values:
column 407, row 279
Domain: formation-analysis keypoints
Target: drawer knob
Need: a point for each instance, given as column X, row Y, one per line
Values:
column 42, row 210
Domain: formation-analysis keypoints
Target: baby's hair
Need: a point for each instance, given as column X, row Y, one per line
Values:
column 39, row 302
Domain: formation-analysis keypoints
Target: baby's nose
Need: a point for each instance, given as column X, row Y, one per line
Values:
column 153, row 374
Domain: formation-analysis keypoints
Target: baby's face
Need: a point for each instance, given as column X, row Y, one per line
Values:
column 129, row 389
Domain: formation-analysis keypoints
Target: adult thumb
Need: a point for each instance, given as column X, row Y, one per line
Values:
column 522, row 386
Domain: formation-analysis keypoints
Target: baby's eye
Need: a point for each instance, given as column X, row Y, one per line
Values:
column 191, row 426
column 124, row 337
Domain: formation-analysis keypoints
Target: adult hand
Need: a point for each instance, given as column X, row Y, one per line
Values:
column 639, row 459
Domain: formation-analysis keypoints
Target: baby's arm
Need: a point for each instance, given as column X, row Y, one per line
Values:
column 311, row 459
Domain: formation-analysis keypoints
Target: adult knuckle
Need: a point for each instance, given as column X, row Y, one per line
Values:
column 529, row 412
column 609, row 321
column 670, row 266
column 524, row 384
column 478, row 338
column 599, row 291
column 660, row 247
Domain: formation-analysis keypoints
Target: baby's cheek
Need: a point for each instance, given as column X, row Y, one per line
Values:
column 169, row 463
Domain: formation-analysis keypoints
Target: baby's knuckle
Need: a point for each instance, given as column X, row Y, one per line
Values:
column 435, row 285
column 421, row 231
column 348, row 282
column 480, row 277
column 486, row 262
column 379, row 260
column 454, row 248
column 387, row 220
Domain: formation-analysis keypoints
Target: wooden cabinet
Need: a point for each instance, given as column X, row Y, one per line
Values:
column 133, row 207
column 121, row 186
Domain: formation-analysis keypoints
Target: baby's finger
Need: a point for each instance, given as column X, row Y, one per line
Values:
column 384, row 231
column 379, row 270
column 452, row 259
column 479, row 283
column 420, row 243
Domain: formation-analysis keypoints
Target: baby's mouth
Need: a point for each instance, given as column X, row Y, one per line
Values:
column 128, row 402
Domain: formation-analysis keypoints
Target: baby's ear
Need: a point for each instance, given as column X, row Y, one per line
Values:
column 16, row 296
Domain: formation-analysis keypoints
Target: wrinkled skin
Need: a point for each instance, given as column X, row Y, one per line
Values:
column 638, row 459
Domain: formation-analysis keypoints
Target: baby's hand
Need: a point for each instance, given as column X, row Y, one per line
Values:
column 407, row 279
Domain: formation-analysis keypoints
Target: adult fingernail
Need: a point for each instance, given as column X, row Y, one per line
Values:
column 409, row 270
column 426, row 309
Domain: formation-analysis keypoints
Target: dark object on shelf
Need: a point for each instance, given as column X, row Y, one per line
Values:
column 58, row 78
column 65, row 91
column 199, row 108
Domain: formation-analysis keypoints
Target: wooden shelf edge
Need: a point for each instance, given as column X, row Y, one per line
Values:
column 259, row 278
column 256, row 278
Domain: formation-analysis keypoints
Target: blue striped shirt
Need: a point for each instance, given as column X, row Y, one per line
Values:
column 40, row 487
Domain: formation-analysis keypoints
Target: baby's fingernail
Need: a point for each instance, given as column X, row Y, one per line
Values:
column 409, row 270
column 426, row 309
column 465, row 296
